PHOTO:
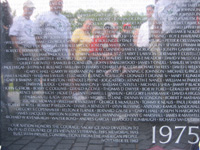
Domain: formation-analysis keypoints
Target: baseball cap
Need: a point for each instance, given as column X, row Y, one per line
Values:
column 127, row 26
column 29, row 4
column 108, row 25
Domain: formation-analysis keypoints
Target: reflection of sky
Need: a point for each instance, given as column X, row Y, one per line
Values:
column 72, row 5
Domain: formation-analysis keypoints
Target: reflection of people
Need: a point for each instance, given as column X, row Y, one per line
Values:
column 126, row 66
column 81, row 40
column 175, row 20
column 23, row 40
column 129, row 70
column 135, row 36
column 96, row 34
column 102, row 53
column 126, row 37
column 144, row 32
column 53, row 33
column 129, row 49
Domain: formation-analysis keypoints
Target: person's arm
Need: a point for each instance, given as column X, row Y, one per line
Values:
column 15, row 44
column 140, row 36
column 75, row 39
column 135, row 36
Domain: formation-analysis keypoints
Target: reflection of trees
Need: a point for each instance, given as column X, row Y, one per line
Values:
column 100, row 17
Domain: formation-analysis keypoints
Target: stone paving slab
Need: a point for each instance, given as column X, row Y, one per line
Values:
column 95, row 147
column 80, row 144
column 79, row 148
column 127, row 145
column 67, row 141
column 6, row 143
column 15, row 147
column 63, row 146
column 46, row 148
column 22, row 142
column 111, row 144
column 96, row 142
column 32, row 146
column 112, row 148
column 52, row 141
column 39, row 140
column 81, row 140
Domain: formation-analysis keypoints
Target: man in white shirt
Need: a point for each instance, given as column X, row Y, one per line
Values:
column 144, row 32
column 175, row 26
column 21, row 33
column 53, row 34
column 54, row 31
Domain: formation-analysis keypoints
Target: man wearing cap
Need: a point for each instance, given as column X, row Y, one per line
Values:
column 144, row 32
column 53, row 34
column 104, row 51
column 81, row 45
column 23, row 40
column 21, row 31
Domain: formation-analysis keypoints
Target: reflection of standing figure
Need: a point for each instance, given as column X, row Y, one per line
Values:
column 102, row 52
column 23, row 40
column 53, row 33
column 91, row 64
column 81, row 44
column 131, row 68
column 144, row 32
column 174, row 25
column 129, row 63
column 135, row 36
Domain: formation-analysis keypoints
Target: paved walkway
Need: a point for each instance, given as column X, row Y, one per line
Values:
column 58, row 134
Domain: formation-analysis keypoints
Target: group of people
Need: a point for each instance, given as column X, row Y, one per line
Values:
column 47, row 53
column 81, row 65
column 159, row 61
